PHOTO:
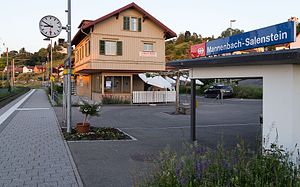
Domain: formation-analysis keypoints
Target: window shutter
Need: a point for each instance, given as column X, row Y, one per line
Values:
column 102, row 47
column 119, row 48
column 140, row 24
column 126, row 23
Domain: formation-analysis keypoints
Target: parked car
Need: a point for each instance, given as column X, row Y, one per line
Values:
column 215, row 90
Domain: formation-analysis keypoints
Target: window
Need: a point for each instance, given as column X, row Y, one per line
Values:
column 76, row 56
column 117, row 84
column 96, row 83
column 87, row 48
column 81, row 52
column 110, row 47
column 132, row 23
column 148, row 47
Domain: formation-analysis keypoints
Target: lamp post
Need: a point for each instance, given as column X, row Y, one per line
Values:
column 230, row 25
column 51, row 68
column 69, row 69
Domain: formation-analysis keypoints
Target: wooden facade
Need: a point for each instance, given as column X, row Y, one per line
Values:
column 105, row 49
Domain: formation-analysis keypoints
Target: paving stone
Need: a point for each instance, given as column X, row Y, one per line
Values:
column 33, row 152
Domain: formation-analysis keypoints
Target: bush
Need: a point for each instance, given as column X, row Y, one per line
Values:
column 110, row 99
column 247, row 92
column 59, row 89
column 199, row 166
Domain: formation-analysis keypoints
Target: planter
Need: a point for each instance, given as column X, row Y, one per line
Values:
column 80, row 128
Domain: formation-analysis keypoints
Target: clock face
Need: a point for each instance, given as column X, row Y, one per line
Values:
column 50, row 26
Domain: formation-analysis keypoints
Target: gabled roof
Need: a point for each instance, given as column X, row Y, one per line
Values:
column 86, row 24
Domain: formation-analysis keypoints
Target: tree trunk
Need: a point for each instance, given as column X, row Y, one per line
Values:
column 84, row 119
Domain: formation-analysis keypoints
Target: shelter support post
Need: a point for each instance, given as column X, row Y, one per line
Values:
column 193, row 110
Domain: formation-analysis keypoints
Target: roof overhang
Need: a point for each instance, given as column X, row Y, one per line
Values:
column 291, row 56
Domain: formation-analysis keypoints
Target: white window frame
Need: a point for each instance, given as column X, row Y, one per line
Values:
column 134, row 24
column 111, row 48
column 148, row 47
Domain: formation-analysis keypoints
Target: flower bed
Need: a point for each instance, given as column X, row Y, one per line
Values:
column 199, row 166
column 97, row 133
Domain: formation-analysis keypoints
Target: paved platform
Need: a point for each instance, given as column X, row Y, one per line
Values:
column 32, row 151
column 99, row 162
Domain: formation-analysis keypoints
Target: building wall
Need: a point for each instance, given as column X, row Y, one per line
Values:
column 297, row 43
column 83, row 85
column 138, row 83
column 133, row 44
column 281, row 101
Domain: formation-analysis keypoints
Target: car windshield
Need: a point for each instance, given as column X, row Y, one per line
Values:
column 218, row 87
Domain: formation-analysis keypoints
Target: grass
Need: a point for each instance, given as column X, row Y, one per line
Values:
column 16, row 90
column 97, row 133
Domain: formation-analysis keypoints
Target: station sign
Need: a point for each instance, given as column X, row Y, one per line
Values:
column 273, row 35
column 198, row 50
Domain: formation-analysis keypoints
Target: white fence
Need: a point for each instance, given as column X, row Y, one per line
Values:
column 153, row 96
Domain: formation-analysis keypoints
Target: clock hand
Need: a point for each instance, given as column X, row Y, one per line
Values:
column 47, row 24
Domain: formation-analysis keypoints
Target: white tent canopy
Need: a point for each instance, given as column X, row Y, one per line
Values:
column 157, row 81
column 170, row 80
column 187, row 79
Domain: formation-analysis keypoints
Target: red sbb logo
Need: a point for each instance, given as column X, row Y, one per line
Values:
column 198, row 50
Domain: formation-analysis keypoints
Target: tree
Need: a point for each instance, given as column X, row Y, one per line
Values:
column 187, row 36
column 230, row 32
column 22, row 50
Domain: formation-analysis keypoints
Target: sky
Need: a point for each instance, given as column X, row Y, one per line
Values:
column 20, row 19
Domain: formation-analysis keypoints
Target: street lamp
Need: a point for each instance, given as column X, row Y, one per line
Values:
column 230, row 25
column 51, row 69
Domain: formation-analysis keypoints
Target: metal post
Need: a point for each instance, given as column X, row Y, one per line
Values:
column 177, row 103
column 13, row 74
column 7, row 69
column 193, row 110
column 69, row 70
column 51, row 70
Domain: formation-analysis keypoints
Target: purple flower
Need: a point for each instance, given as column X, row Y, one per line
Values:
column 183, row 180
column 200, row 150
column 201, row 166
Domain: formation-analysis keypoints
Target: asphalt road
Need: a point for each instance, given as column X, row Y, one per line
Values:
column 121, row 163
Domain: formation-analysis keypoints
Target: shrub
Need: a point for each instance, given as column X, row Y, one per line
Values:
column 89, row 109
column 58, row 88
column 110, row 99
column 247, row 92
column 200, row 166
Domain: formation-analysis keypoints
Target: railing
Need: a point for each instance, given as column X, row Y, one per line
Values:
column 153, row 96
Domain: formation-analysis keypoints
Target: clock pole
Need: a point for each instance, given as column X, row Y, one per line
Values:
column 69, row 107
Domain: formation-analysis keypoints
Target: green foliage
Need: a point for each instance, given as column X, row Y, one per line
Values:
column 30, row 59
column 199, row 166
column 247, row 92
column 58, row 88
column 110, row 99
column 25, row 77
column 230, row 32
column 97, row 133
column 89, row 109
column 8, row 91
column 298, row 28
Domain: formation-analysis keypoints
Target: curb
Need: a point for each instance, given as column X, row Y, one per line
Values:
column 75, row 169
